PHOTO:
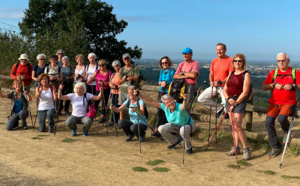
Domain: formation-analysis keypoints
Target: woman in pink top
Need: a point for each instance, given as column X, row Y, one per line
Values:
column 102, row 77
column 114, row 90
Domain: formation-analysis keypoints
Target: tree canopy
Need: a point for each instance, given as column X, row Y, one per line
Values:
column 76, row 26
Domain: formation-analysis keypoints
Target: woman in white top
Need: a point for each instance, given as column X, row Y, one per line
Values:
column 79, row 100
column 91, row 69
column 45, row 94
column 80, row 71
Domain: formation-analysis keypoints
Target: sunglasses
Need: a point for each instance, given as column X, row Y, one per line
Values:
column 43, row 59
column 60, row 53
column 101, row 65
column 164, row 63
column 240, row 61
column 281, row 61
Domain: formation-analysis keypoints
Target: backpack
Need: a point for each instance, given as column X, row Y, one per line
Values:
column 177, row 89
column 17, row 66
column 87, row 67
column 276, row 74
column 91, row 109
column 59, row 69
column 138, row 104
column 133, row 69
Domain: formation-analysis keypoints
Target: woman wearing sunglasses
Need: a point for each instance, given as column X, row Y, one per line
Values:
column 236, row 92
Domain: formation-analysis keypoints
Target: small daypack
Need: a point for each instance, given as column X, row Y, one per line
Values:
column 177, row 89
column 138, row 104
column 293, row 74
column 91, row 109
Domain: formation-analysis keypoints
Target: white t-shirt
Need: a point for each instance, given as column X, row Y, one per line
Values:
column 80, row 72
column 79, row 110
column 91, row 72
column 46, row 100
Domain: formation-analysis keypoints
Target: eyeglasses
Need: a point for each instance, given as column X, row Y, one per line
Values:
column 237, row 61
column 43, row 59
column 281, row 61
column 60, row 53
column 101, row 65
column 164, row 63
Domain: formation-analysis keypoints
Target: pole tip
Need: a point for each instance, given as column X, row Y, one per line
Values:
column 238, row 167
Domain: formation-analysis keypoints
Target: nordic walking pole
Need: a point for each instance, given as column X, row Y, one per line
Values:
column 232, row 128
column 184, row 139
column 289, row 133
column 139, row 127
column 114, row 115
column 24, row 89
column 218, row 127
column 216, row 98
column 37, row 107
column 211, row 97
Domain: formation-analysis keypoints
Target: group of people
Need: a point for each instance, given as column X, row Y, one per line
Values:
column 54, row 83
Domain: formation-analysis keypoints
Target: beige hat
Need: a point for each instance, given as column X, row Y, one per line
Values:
column 23, row 56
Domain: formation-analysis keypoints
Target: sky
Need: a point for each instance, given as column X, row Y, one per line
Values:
column 260, row 29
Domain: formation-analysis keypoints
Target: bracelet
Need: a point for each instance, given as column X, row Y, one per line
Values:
column 293, row 87
column 274, row 85
column 229, row 98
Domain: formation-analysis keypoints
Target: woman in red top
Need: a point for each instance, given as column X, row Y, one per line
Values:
column 236, row 92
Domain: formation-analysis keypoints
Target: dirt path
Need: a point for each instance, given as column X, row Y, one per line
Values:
column 101, row 159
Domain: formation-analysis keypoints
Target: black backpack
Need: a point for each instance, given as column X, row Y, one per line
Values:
column 138, row 104
column 17, row 66
column 177, row 89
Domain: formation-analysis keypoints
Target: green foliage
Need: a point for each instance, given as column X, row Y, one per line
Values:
column 244, row 162
column 290, row 177
column 43, row 135
column 267, row 172
column 2, row 123
column 258, row 144
column 69, row 140
column 36, row 138
column 233, row 166
column 76, row 26
column 294, row 149
column 161, row 169
column 155, row 162
column 139, row 169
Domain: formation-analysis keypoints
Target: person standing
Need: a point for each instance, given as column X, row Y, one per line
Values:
column 68, row 76
column 60, row 54
column 283, row 82
column 80, row 71
column 189, row 70
column 128, row 75
column 236, row 91
column 22, row 71
column 91, row 69
column 220, row 68
column 38, row 68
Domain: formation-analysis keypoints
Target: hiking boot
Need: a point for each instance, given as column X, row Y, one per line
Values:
column 102, row 119
column 226, row 116
column 218, row 114
column 247, row 155
column 129, row 138
column 111, row 124
column 274, row 152
column 189, row 151
column 156, row 134
column 232, row 152
column 73, row 132
column 174, row 145
column 85, row 134
column 285, row 137
column 24, row 125
column 68, row 113
column 142, row 139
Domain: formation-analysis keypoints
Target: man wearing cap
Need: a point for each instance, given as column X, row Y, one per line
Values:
column 128, row 75
column 188, row 69
column 220, row 68
column 22, row 71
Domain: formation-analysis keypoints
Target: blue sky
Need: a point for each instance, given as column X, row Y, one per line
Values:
column 259, row 29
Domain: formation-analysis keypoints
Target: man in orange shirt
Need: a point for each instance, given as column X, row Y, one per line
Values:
column 22, row 71
column 219, row 70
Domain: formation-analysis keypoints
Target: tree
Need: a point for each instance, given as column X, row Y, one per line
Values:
column 88, row 25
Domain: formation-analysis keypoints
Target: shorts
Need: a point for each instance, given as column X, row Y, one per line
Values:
column 122, row 98
column 275, row 109
column 240, row 108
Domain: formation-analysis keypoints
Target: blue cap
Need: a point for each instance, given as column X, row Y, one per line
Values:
column 187, row 51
